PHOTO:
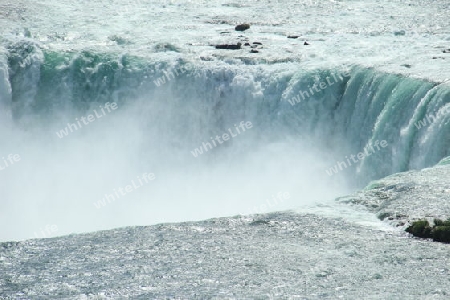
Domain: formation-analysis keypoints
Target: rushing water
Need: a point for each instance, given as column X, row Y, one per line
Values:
column 111, row 115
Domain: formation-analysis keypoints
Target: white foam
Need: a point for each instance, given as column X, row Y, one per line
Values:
column 391, row 35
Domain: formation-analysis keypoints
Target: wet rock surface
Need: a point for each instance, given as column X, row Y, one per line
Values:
column 273, row 256
column 404, row 198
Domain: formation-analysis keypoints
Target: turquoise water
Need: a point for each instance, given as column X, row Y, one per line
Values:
column 305, row 124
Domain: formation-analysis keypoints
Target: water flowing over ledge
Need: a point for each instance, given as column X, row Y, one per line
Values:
column 325, row 131
column 405, row 197
column 119, row 113
column 346, row 116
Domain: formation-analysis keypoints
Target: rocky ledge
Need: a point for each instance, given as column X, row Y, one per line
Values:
column 416, row 201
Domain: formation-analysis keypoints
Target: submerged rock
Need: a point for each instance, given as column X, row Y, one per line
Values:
column 165, row 47
column 399, row 32
column 259, row 222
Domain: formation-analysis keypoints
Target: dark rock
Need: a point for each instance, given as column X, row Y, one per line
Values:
column 257, row 43
column 229, row 46
column 165, row 47
column 237, row 5
column 440, row 231
column 446, row 51
column 420, row 229
column 306, row 44
column 407, row 66
column 224, row 32
column 247, row 44
column 259, row 222
column 395, row 216
column 441, row 234
column 254, row 51
column 383, row 215
column 7, row 245
column 438, row 222
column 293, row 36
column 242, row 27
